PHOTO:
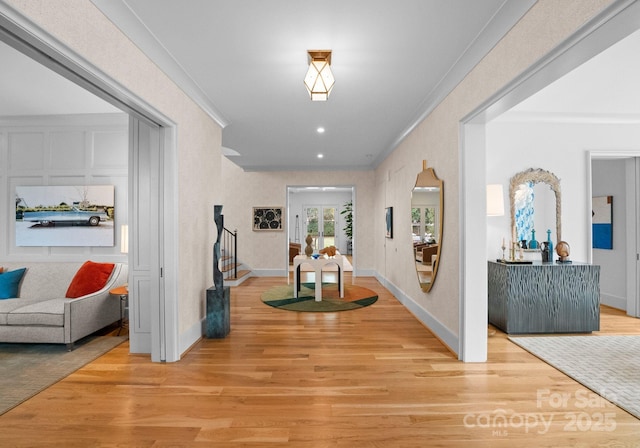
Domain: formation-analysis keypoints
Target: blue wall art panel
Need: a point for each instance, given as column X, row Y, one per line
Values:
column 602, row 222
column 523, row 203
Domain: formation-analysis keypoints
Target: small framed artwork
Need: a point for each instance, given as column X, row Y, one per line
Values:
column 267, row 219
column 602, row 222
column 389, row 222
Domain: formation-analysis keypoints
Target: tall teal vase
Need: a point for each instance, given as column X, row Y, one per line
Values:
column 533, row 244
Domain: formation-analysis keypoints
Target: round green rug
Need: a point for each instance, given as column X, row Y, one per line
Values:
column 355, row 297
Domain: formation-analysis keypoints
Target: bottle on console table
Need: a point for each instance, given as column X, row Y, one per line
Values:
column 533, row 244
column 546, row 253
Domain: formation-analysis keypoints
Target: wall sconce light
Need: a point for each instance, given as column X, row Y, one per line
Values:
column 495, row 200
column 319, row 79
column 124, row 238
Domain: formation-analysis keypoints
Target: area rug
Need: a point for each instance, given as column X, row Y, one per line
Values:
column 608, row 365
column 26, row 369
column 355, row 297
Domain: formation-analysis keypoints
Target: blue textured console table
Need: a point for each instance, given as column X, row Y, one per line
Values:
column 544, row 297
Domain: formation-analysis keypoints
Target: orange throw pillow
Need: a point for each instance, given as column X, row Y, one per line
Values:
column 91, row 277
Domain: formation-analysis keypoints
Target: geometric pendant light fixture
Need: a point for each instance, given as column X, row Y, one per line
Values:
column 319, row 79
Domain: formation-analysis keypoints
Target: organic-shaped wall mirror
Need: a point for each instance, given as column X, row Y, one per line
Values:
column 534, row 197
column 427, row 209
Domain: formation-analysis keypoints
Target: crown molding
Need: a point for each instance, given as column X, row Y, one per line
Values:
column 503, row 20
column 613, row 23
column 24, row 35
column 100, row 119
column 122, row 16
column 567, row 118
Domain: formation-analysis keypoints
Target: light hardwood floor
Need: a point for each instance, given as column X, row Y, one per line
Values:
column 373, row 377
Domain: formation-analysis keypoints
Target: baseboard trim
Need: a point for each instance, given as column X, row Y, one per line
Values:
column 270, row 272
column 191, row 336
column 614, row 301
column 446, row 336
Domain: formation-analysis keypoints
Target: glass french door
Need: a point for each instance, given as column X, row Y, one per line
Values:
column 423, row 224
column 320, row 223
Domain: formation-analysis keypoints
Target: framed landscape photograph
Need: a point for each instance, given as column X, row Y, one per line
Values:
column 80, row 215
column 267, row 219
column 389, row 222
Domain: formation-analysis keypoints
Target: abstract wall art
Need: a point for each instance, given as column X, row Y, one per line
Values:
column 602, row 222
column 267, row 218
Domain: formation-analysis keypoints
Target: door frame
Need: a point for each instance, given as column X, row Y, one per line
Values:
column 612, row 24
column 25, row 36
column 632, row 220
column 290, row 230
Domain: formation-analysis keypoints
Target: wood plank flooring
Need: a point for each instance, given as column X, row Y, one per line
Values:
column 373, row 377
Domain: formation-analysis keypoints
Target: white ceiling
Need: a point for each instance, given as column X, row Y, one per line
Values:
column 28, row 88
column 244, row 62
column 605, row 89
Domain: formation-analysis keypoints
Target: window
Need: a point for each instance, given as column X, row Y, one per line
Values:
column 423, row 223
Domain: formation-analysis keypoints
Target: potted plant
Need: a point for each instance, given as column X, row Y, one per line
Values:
column 347, row 211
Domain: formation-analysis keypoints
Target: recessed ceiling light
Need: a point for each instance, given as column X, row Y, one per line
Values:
column 320, row 156
column 320, row 130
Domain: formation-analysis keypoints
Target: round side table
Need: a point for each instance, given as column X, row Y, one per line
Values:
column 123, row 293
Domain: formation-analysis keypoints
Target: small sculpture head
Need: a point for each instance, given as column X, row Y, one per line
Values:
column 562, row 249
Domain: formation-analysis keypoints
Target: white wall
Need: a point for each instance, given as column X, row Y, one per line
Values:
column 437, row 139
column 62, row 150
column 561, row 148
column 609, row 179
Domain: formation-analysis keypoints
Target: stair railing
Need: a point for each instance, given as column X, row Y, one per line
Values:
column 229, row 248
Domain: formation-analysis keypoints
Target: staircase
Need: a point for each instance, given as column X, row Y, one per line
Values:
column 233, row 270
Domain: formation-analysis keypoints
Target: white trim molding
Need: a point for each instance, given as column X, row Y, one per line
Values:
column 121, row 14
column 446, row 336
column 23, row 34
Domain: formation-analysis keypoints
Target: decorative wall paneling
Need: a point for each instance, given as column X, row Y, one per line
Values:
column 62, row 150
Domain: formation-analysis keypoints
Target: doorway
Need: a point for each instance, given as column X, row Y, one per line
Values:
column 327, row 213
column 615, row 175
column 609, row 27
column 155, row 309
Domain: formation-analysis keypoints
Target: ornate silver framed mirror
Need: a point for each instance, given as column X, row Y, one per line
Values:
column 523, row 194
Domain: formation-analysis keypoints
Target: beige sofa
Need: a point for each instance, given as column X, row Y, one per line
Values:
column 42, row 314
